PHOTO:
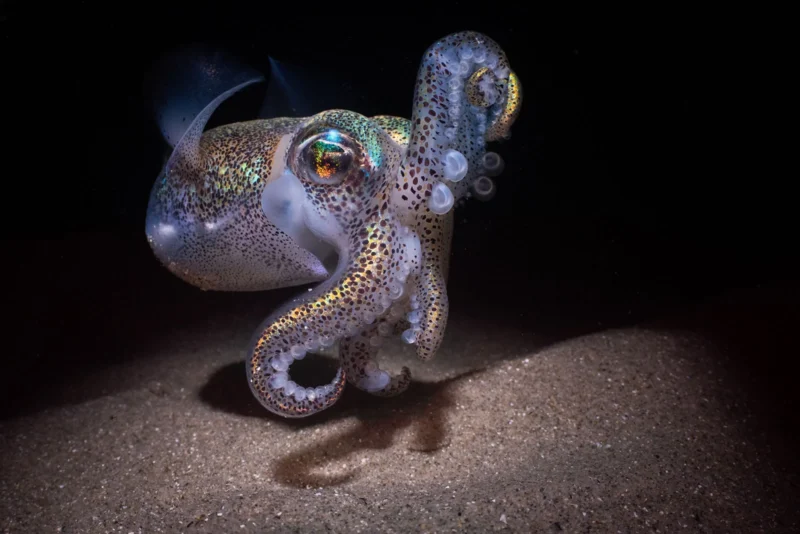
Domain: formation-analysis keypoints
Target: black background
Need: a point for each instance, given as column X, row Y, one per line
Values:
column 639, row 176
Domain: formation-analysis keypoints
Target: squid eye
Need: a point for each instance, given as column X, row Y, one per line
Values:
column 327, row 157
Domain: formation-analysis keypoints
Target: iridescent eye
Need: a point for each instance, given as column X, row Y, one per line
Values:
column 327, row 157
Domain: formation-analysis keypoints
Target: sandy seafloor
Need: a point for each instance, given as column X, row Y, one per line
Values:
column 682, row 424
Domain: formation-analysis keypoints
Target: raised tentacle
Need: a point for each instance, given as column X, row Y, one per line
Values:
column 463, row 98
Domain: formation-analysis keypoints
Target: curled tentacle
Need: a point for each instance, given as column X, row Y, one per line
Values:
column 284, row 337
column 339, row 308
column 500, row 127
column 273, row 387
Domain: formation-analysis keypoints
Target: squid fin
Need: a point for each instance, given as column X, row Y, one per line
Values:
column 187, row 86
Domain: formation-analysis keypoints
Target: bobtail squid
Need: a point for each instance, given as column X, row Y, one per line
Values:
column 362, row 206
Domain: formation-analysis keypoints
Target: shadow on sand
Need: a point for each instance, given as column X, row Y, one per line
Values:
column 422, row 408
column 751, row 331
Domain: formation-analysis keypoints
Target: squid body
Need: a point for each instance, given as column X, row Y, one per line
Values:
column 360, row 206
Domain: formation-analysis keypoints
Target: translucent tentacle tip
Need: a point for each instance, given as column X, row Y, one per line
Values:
column 493, row 164
column 441, row 199
column 484, row 188
column 409, row 336
column 455, row 165
column 375, row 380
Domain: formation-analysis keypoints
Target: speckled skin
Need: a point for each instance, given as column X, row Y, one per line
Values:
column 444, row 118
column 222, row 240
column 371, row 188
